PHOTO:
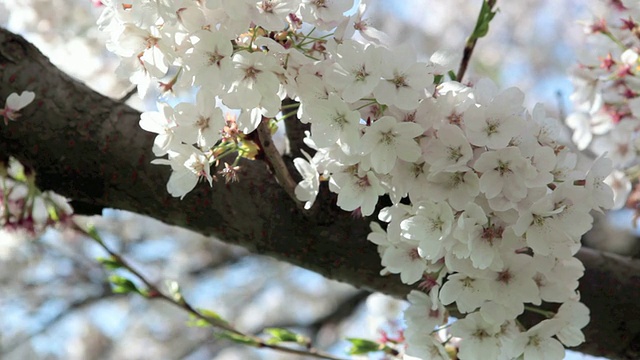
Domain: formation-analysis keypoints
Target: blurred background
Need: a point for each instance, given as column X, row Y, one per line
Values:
column 55, row 302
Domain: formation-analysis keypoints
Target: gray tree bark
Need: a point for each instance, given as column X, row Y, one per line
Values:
column 90, row 148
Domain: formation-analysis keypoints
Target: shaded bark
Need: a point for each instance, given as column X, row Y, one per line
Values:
column 91, row 149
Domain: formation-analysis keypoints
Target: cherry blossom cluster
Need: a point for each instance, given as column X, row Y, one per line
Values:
column 243, row 55
column 488, row 208
column 25, row 208
column 495, row 214
column 606, row 117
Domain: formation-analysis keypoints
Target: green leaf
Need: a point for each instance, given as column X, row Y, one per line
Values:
column 283, row 335
column 211, row 319
column 122, row 285
column 93, row 233
column 212, row 315
column 484, row 18
column 197, row 322
column 237, row 338
column 363, row 346
column 110, row 263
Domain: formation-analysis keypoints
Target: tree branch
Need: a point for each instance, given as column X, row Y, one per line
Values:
column 478, row 32
column 90, row 148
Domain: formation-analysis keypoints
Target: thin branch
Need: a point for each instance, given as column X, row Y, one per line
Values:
column 154, row 292
column 129, row 94
column 342, row 310
column 473, row 39
column 274, row 159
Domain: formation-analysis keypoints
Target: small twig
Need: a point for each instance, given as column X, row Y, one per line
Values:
column 129, row 94
column 275, row 160
column 473, row 39
column 153, row 292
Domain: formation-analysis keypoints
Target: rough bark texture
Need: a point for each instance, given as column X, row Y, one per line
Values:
column 90, row 148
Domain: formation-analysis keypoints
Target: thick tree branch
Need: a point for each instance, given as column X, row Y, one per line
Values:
column 90, row 148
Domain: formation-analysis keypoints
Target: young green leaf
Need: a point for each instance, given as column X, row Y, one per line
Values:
column 363, row 346
column 284, row 335
column 484, row 18
column 122, row 285
column 240, row 339
column 110, row 263
column 212, row 315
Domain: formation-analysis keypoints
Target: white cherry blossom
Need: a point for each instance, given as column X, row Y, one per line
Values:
column 209, row 59
column 386, row 140
column 357, row 191
column 324, row 13
column 537, row 342
column 450, row 151
column 189, row 166
column 307, row 189
column 357, row 70
column 162, row 123
column 334, row 121
column 573, row 316
column 199, row 123
column 404, row 259
column 480, row 340
column 504, row 172
column 404, row 81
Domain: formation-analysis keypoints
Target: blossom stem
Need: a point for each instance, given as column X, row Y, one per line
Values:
column 274, row 159
column 614, row 39
column 545, row 313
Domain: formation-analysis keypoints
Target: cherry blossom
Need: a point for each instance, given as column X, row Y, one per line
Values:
column 335, row 121
column 537, row 342
column 14, row 104
column 387, row 140
column 188, row 166
column 480, row 337
column 163, row 124
column 357, row 70
column 307, row 189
